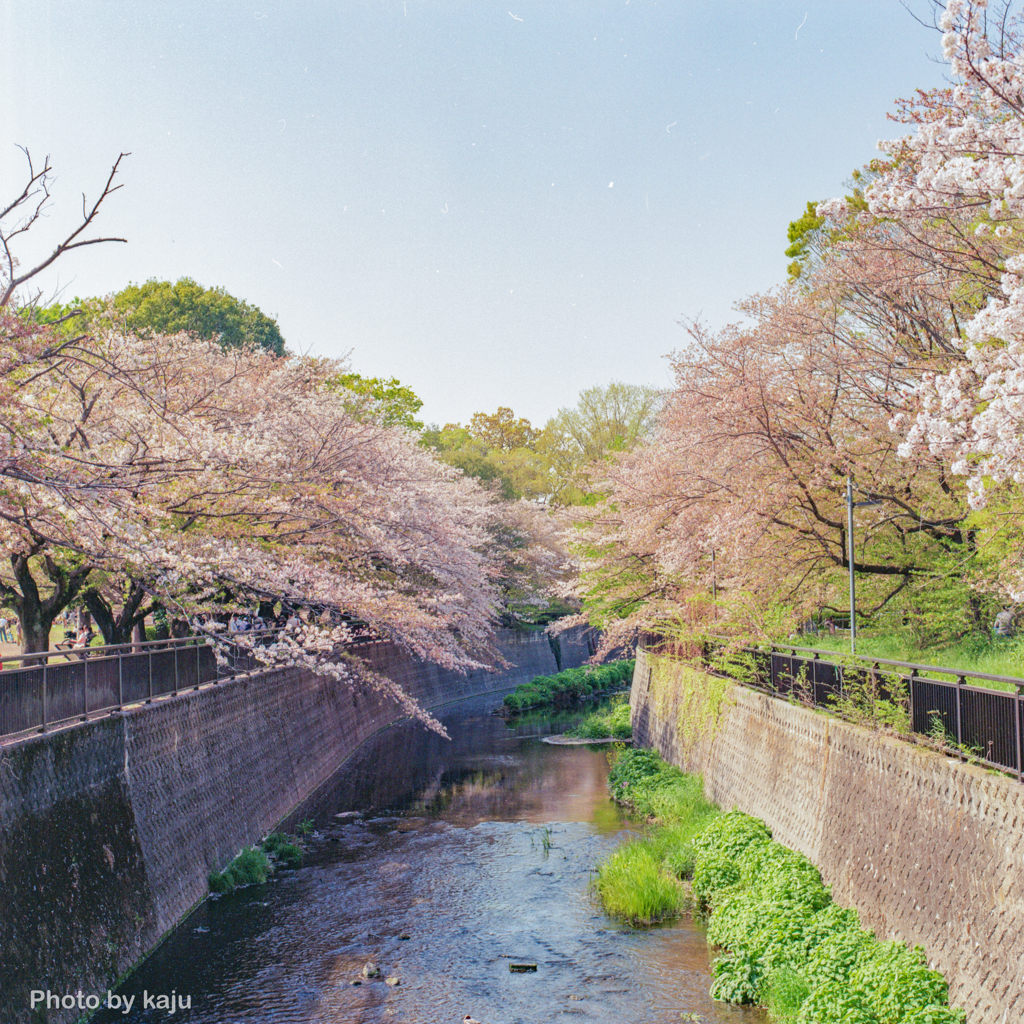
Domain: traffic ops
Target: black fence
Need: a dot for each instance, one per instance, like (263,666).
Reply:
(52,688)
(951,706)
(38,691)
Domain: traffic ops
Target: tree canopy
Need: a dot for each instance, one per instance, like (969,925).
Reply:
(895,356)
(387,400)
(160,307)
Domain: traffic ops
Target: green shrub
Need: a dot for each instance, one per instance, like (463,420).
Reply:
(250,867)
(829,921)
(738,978)
(633,772)
(613,722)
(711,875)
(219,882)
(836,955)
(274,841)
(785,943)
(935,1015)
(253,865)
(283,849)
(732,833)
(899,980)
(837,1003)
(784,874)
(736,916)
(568,687)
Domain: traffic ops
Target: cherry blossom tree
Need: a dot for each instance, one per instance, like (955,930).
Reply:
(743,489)
(963,167)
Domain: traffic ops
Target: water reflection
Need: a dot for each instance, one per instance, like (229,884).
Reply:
(480,852)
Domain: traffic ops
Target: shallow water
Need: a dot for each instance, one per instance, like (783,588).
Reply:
(480,850)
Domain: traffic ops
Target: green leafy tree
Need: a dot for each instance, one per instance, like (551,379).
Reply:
(577,443)
(159,307)
(495,448)
(458,446)
(502,430)
(387,400)
(610,418)
(801,234)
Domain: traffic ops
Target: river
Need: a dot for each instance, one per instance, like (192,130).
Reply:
(465,857)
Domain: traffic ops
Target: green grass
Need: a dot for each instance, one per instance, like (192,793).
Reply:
(254,865)
(634,888)
(784,943)
(997,656)
(612,722)
(639,883)
(250,867)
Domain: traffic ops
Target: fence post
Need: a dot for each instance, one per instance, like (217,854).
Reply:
(85,685)
(1016,729)
(150,698)
(42,727)
(910,700)
(959,737)
(175,649)
(120,680)
(876,671)
(196,641)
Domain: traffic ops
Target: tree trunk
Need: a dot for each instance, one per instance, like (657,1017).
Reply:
(35,613)
(118,627)
(35,629)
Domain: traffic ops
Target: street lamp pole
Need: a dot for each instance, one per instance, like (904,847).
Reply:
(849,558)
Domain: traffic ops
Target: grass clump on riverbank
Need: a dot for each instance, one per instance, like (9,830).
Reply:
(569,687)
(613,722)
(785,944)
(254,865)
(639,883)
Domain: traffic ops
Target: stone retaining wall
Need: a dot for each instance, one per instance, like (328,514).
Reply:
(929,850)
(108,829)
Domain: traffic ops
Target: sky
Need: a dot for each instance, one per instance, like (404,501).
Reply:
(497,203)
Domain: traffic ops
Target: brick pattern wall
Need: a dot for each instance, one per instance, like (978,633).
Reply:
(109,829)
(929,850)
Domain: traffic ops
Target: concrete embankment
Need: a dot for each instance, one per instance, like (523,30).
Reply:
(929,850)
(108,829)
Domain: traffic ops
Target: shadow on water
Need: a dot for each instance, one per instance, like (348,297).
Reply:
(463,856)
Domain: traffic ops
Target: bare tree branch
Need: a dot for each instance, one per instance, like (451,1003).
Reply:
(32,200)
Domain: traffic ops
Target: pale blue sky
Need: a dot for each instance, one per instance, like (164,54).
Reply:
(499,203)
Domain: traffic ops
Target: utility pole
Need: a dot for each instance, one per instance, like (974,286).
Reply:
(849,558)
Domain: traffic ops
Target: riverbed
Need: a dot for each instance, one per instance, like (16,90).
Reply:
(442,863)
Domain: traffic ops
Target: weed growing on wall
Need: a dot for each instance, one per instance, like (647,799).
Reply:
(874,698)
(569,687)
(784,943)
(699,697)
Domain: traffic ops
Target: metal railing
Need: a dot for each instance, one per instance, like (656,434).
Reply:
(979,723)
(56,687)
(53,687)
